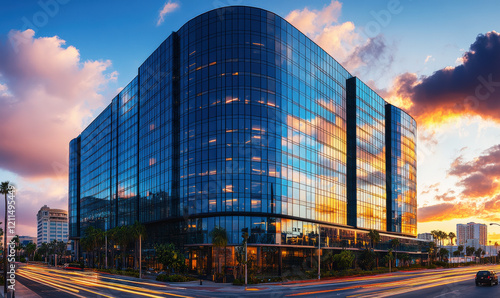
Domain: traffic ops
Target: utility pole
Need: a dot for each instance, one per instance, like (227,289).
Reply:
(106,242)
(245,239)
(319,252)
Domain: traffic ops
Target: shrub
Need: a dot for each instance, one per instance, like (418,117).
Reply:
(343,260)
(367,259)
(442,264)
(174,278)
(76,265)
(131,273)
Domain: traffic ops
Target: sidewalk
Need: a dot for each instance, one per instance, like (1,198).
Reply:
(22,291)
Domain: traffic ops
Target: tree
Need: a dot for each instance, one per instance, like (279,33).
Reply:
(123,237)
(374,239)
(496,249)
(219,239)
(432,251)
(30,249)
(443,252)
(17,246)
(452,236)
(43,250)
(388,258)
(435,235)
(394,245)
(442,235)
(460,248)
(138,232)
(469,251)
(343,260)
(366,259)
(171,259)
(478,252)
(91,241)
(456,253)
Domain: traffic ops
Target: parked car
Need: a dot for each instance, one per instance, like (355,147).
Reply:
(489,277)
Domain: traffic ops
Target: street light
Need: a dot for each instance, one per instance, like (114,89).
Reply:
(319,252)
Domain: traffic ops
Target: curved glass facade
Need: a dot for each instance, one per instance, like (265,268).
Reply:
(262,123)
(238,120)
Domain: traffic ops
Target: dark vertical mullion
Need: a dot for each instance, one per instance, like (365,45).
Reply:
(138,94)
(116,157)
(351,174)
(78,184)
(175,195)
(388,167)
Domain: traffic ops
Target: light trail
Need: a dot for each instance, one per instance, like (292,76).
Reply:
(408,283)
(77,282)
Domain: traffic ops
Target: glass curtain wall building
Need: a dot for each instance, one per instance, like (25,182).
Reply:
(240,121)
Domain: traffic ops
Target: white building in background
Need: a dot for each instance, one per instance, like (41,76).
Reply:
(472,234)
(52,225)
(425,236)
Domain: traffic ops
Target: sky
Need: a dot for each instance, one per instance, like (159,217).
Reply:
(62,61)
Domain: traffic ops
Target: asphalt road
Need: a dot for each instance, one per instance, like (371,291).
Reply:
(457,282)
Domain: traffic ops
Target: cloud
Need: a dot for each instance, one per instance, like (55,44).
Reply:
(167,8)
(446,211)
(31,196)
(431,188)
(479,177)
(343,41)
(471,88)
(51,92)
(312,23)
(428,58)
(374,52)
(479,190)
(493,205)
(447,196)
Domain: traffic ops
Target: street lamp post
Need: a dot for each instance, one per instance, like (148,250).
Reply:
(319,252)
(106,242)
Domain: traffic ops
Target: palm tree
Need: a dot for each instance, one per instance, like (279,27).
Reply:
(432,251)
(496,249)
(443,236)
(452,236)
(394,245)
(443,252)
(4,189)
(113,240)
(219,239)
(44,250)
(460,248)
(92,240)
(435,235)
(138,231)
(123,238)
(374,239)
(30,249)
(389,257)
(469,250)
(17,246)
